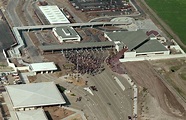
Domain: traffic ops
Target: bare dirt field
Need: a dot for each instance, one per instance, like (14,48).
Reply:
(76,117)
(58,113)
(4,110)
(174,73)
(154,95)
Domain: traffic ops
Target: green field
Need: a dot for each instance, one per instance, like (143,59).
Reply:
(173,12)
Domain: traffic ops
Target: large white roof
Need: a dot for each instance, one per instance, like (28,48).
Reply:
(54,14)
(45,66)
(31,115)
(34,94)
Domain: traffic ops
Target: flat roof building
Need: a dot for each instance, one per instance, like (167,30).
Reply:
(66,34)
(53,14)
(38,114)
(42,67)
(34,95)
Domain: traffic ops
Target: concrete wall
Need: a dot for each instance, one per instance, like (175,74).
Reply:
(9,63)
(177,47)
(153,53)
(105,35)
(23,68)
(157,57)
(130,54)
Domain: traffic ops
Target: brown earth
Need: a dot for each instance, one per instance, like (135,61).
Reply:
(58,113)
(173,71)
(145,76)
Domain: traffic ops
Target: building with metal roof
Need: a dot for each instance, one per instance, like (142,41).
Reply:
(66,34)
(129,38)
(53,14)
(42,67)
(138,43)
(34,95)
(37,114)
(82,45)
(151,46)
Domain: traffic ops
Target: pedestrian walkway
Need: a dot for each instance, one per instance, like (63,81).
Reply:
(135,99)
(157,57)
(10,106)
(119,83)
(25,78)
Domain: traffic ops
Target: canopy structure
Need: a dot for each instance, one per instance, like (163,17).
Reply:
(53,14)
(34,95)
(45,66)
(38,114)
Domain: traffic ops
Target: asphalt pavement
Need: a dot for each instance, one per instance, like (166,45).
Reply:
(11,11)
(110,102)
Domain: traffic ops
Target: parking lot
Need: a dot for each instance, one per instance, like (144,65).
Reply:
(99,5)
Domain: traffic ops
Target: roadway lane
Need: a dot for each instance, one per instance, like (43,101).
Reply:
(75,17)
(27,13)
(120,103)
(11,11)
(139,9)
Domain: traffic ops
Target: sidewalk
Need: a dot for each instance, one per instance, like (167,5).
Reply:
(135,99)
(10,106)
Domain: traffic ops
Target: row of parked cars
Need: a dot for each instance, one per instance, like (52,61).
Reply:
(16,79)
(4,79)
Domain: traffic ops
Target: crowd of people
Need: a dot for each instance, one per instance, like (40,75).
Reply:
(87,61)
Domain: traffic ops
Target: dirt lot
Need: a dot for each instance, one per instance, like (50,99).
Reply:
(57,113)
(4,111)
(174,72)
(158,97)
(76,117)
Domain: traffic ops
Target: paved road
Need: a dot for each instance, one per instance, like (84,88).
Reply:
(27,13)
(11,11)
(16,22)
